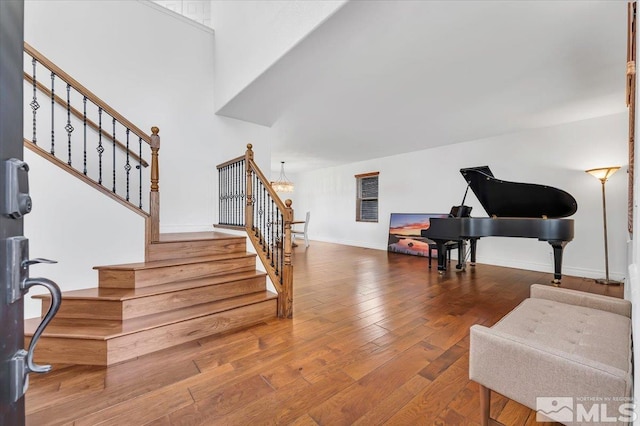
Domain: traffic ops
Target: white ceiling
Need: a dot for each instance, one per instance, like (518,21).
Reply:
(380,78)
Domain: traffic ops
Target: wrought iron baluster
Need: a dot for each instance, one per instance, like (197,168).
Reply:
(256,204)
(140,172)
(114,155)
(238,197)
(279,240)
(281,253)
(227,219)
(253,200)
(68,127)
(127,166)
(34,103)
(232,188)
(100,148)
(237,179)
(263,221)
(263,216)
(230,194)
(271,227)
(220,218)
(225,192)
(274,225)
(53,133)
(235,193)
(243,186)
(84,124)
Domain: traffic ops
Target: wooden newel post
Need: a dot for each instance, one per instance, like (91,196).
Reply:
(285,301)
(248,210)
(154,196)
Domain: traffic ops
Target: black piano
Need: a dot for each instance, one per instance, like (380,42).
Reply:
(516,210)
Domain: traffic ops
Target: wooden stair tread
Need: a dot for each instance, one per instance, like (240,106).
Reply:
(173,262)
(121,294)
(106,329)
(196,236)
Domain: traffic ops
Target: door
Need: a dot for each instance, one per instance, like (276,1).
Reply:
(11,314)
(15,362)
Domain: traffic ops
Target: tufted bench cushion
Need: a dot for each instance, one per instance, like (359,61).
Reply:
(558,343)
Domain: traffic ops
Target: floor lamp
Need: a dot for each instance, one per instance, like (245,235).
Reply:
(603,174)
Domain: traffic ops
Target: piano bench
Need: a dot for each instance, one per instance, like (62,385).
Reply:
(559,348)
(448,246)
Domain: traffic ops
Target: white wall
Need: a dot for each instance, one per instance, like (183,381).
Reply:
(429,181)
(157,71)
(77,226)
(252,35)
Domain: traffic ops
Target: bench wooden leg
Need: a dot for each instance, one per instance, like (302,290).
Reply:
(485,405)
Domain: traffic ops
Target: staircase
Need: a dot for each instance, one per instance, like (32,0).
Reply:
(191,286)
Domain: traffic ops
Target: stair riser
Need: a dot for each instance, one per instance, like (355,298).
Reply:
(101,352)
(182,299)
(189,249)
(133,308)
(114,278)
(58,350)
(94,309)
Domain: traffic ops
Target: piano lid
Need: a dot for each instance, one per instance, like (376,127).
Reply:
(514,199)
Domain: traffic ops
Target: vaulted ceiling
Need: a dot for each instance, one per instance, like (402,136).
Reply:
(380,78)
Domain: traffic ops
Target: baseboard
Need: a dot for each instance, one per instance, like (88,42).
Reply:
(349,243)
(548,268)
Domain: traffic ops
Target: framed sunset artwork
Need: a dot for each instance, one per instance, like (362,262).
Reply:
(404,232)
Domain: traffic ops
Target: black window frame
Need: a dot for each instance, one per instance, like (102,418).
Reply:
(371,183)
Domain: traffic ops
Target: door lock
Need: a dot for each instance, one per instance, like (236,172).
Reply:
(16,201)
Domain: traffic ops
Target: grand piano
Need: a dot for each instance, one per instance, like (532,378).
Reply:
(516,210)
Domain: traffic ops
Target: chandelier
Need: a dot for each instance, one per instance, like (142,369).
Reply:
(283,184)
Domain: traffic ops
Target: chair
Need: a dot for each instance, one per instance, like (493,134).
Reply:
(304,232)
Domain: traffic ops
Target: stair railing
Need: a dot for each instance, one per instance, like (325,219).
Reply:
(117,168)
(247,200)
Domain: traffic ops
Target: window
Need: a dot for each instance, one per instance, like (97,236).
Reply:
(367,197)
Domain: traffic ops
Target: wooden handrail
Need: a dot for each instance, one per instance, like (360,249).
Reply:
(227,163)
(81,116)
(86,92)
(267,184)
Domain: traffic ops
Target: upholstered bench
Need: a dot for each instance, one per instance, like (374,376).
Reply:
(559,343)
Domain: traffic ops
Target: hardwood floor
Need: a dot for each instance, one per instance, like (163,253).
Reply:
(376,338)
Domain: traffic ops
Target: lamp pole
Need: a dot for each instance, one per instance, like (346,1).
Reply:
(606,244)
(603,174)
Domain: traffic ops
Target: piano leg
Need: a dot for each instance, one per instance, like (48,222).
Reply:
(472,247)
(558,246)
(442,256)
(462,246)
